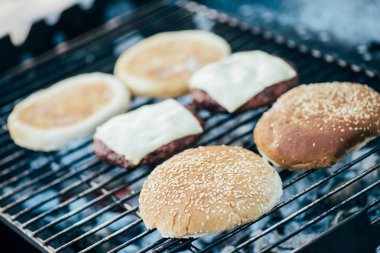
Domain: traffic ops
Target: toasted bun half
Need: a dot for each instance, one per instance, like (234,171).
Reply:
(208,190)
(70,109)
(161,65)
(316,125)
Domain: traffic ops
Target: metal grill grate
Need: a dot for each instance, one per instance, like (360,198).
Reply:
(68,201)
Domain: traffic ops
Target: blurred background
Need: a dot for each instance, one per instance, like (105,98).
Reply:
(29,28)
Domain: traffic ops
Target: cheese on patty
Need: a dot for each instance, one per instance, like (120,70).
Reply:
(236,79)
(142,131)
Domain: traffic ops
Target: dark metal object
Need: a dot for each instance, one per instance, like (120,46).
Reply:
(331,26)
(72,22)
(55,200)
(358,228)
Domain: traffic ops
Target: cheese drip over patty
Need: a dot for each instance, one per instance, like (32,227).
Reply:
(142,131)
(239,77)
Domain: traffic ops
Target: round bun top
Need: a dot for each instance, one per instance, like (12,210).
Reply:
(208,190)
(345,103)
(161,65)
(316,125)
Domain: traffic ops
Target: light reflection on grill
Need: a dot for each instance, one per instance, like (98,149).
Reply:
(69,201)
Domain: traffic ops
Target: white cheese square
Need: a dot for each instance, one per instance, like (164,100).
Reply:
(137,133)
(237,78)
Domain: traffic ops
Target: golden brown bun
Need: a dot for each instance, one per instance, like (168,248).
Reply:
(316,125)
(161,65)
(208,190)
(71,109)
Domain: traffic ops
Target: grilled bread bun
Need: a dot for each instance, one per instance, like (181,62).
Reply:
(68,110)
(161,65)
(208,190)
(316,125)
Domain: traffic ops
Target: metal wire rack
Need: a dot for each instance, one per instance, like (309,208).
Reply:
(68,201)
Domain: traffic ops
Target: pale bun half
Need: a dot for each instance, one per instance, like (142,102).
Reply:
(208,190)
(47,133)
(161,65)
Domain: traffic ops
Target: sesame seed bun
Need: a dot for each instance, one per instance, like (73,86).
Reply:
(207,190)
(161,65)
(316,125)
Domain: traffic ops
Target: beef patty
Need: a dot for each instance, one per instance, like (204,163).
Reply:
(107,155)
(269,95)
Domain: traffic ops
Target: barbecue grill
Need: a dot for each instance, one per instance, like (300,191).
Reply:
(69,201)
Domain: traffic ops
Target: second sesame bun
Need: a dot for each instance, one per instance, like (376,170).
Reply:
(315,126)
(161,65)
(207,190)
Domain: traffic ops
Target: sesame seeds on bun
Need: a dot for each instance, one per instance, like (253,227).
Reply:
(316,125)
(208,190)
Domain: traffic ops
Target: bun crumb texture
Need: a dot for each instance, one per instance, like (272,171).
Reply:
(208,190)
(314,126)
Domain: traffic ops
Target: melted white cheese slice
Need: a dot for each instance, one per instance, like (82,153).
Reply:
(137,133)
(236,79)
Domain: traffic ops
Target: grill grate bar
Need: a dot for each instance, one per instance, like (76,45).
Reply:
(89,203)
(7,149)
(45,187)
(21,164)
(294,197)
(97,228)
(215,124)
(153,245)
(312,204)
(127,243)
(324,214)
(109,237)
(31,155)
(230,129)
(92,216)
(192,248)
(19,177)
(6,162)
(172,242)
(376,221)
(242,136)
(61,193)
(36,180)
(25,173)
